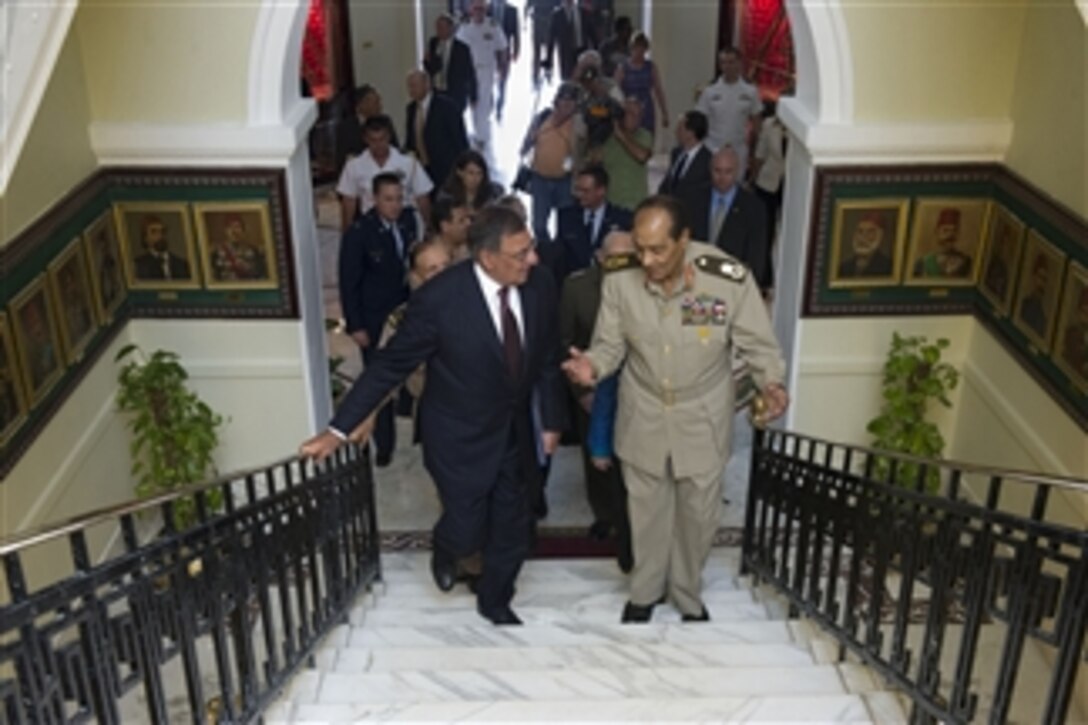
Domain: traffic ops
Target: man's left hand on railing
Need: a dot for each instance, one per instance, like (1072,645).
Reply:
(321,446)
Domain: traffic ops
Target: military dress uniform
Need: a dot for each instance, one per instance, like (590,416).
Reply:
(675,413)
(484,40)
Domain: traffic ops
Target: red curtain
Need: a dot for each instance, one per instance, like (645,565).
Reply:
(767,45)
(315,52)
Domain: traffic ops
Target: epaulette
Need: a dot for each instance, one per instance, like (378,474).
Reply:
(618,262)
(724,267)
(396,316)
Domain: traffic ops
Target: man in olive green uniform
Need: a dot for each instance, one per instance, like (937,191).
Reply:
(676,316)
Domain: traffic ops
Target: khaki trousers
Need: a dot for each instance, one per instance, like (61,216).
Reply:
(673,521)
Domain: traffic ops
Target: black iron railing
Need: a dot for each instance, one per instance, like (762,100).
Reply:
(205,624)
(967,588)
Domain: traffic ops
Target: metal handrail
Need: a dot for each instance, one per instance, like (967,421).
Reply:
(47,532)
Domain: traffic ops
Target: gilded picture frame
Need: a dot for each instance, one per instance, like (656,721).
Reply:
(946,241)
(1038,290)
(37,340)
(103,250)
(1070,350)
(157,245)
(13,407)
(867,240)
(237,249)
(1001,258)
(69,282)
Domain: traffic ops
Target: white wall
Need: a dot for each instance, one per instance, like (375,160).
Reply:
(383,36)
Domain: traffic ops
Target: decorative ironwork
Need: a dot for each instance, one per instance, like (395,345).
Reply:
(204,624)
(973,600)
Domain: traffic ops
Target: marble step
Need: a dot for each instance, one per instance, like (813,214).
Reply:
(443,615)
(777,709)
(555,634)
(592,570)
(462,599)
(386,659)
(669,683)
(424,586)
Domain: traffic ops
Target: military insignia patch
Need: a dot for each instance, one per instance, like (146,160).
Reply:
(721,267)
(617,262)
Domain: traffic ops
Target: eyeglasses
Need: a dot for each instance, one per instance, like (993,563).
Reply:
(523,255)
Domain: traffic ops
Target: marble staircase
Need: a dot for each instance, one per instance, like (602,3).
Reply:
(411,653)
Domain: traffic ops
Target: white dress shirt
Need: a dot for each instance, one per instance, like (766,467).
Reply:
(491,288)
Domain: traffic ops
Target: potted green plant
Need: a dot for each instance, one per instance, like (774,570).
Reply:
(914,377)
(174,432)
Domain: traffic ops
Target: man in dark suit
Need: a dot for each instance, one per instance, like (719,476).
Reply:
(572,31)
(449,63)
(487,331)
(511,28)
(733,218)
(688,178)
(373,254)
(434,129)
(157,262)
(583,227)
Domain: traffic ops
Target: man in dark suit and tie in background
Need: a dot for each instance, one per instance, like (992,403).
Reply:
(487,331)
(434,129)
(583,227)
(688,178)
(449,63)
(372,269)
(572,30)
(733,219)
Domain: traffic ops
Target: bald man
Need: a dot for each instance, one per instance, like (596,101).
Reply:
(434,129)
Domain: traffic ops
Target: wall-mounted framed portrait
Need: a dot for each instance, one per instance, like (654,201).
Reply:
(236,245)
(1070,352)
(69,282)
(1038,289)
(867,240)
(12,398)
(103,249)
(946,241)
(157,245)
(1000,258)
(37,340)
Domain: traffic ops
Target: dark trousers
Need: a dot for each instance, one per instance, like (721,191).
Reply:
(385,432)
(605,490)
(493,519)
(771,203)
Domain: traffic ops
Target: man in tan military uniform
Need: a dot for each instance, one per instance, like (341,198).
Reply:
(673,319)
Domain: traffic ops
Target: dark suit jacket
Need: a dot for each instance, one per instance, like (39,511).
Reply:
(470,403)
(692,189)
(372,273)
(443,135)
(571,233)
(743,234)
(149,266)
(563,37)
(461,76)
(510,27)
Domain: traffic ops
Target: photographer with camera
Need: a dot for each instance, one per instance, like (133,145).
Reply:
(600,109)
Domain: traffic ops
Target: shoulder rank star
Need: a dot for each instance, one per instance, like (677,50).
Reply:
(617,262)
(721,267)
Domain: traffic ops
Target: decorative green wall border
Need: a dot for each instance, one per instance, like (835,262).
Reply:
(72,280)
(977,239)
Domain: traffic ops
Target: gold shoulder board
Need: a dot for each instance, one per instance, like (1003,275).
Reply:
(722,267)
(617,262)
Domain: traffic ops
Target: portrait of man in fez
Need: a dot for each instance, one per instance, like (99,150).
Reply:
(236,245)
(867,242)
(104,262)
(12,401)
(1071,342)
(36,339)
(1038,290)
(157,245)
(1000,259)
(946,236)
(74,302)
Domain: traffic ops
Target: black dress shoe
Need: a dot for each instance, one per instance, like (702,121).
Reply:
(472,581)
(600,530)
(501,617)
(383,459)
(444,571)
(703,616)
(636,613)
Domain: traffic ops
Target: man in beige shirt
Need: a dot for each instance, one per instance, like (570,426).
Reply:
(674,318)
